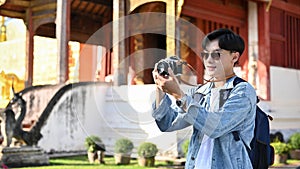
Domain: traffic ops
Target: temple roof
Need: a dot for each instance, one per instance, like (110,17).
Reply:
(86,16)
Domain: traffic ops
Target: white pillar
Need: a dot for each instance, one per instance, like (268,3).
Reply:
(253,43)
(119,62)
(62,35)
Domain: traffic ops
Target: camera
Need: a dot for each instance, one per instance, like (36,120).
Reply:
(173,62)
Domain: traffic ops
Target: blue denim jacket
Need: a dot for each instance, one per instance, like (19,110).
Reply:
(236,114)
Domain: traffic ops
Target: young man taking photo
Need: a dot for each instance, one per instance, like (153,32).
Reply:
(215,110)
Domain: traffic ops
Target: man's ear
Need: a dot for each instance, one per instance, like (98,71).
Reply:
(235,57)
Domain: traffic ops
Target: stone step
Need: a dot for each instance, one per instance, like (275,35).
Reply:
(24,156)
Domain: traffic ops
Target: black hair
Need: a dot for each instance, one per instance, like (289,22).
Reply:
(228,40)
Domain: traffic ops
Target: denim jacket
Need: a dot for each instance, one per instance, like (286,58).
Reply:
(236,114)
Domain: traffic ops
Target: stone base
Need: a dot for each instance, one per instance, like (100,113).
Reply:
(23,156)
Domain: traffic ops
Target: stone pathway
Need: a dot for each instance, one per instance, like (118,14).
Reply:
(294,166)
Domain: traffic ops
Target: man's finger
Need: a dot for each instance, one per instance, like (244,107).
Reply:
(171,73)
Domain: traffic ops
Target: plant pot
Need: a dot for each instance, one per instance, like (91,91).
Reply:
(92,156)
(280,158)
(100,156)
(146,161)
(295,154)
(121,158)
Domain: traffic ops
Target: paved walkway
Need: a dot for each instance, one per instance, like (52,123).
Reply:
(179,164)
(279,167)
(295,166)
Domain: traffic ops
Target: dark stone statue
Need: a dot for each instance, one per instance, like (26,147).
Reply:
(11,117)
(11,124)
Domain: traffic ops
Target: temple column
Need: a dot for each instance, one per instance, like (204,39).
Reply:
(63,36)
(29,49)
(120,65)
(171,27)
(264,53)
(252,43)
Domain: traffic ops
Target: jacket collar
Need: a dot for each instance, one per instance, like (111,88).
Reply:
(206,88)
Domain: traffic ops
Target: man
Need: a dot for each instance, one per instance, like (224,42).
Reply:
(215,110)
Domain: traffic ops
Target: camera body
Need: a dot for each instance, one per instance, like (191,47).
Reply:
(173,62)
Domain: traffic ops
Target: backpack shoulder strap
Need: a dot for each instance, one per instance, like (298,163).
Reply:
(236,135)
(238,80)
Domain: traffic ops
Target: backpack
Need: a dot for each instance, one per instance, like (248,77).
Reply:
(261,153)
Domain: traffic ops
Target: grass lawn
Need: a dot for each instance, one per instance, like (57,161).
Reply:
(81,162)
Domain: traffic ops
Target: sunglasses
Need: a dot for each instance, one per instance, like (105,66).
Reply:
(214,55)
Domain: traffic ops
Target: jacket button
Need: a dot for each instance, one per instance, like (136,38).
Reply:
(193,158)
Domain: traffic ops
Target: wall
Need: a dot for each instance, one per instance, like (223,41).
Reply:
(107,111)
(87,62)
(284,106)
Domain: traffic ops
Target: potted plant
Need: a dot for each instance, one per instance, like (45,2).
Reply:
(95,148)
(146,153)
(294,142)
(123,149)
(281,151)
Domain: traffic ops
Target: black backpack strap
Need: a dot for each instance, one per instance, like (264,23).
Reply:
(236,136)
(238,80)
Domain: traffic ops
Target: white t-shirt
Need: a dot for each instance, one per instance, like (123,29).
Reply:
(204,157)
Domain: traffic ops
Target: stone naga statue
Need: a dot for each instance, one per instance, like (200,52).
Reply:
(11,127)
(11,122)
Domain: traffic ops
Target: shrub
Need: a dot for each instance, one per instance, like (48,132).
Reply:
(147,149)
(93,143)
(281,148)
(124,146)
(185,146)
(294,141)
(277,137)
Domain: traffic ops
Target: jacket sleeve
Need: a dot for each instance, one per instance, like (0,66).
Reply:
(168,116)
(237,112)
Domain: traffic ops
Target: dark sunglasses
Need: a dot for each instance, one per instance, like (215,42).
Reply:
(214,55)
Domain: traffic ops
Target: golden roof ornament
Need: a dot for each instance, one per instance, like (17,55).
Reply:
(3,30)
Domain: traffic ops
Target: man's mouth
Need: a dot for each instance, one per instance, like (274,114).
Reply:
(211,68)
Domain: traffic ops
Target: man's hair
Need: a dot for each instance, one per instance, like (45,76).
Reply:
(228,40)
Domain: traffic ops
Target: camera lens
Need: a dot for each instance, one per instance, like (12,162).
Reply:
(162,68)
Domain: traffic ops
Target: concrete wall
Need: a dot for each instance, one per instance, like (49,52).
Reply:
(284,106)
(109,112)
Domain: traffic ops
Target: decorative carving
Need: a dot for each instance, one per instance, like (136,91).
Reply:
(11,127)
(3,28)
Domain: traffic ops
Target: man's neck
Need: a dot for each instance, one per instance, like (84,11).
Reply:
(219,82)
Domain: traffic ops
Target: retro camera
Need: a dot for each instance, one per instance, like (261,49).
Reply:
(173,62)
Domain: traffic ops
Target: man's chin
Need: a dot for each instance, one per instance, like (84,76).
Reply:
(214,75)
(211,74)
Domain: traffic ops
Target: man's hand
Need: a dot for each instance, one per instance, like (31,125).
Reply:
(168,84)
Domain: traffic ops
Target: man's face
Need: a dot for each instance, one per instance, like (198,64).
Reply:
(218,62)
